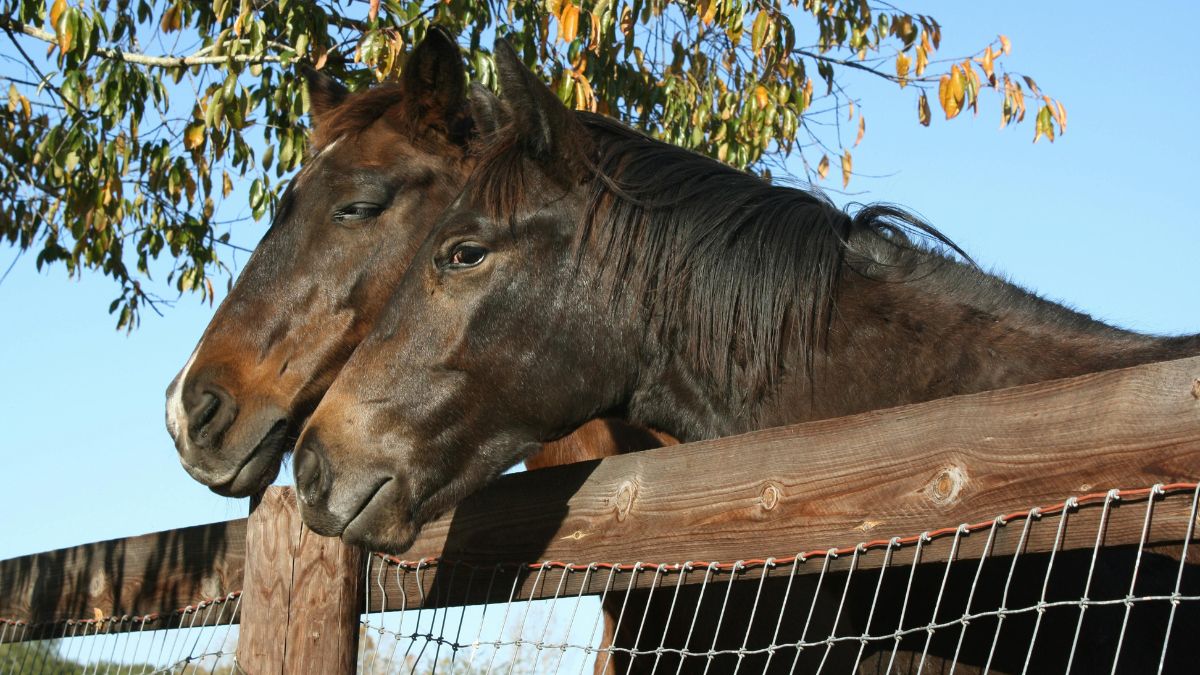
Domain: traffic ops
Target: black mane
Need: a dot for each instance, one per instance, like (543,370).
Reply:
(745,264)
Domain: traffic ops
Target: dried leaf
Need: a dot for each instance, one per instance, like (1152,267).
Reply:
(902,65)
(373,11)
(862,129)
(172,20)
(1005,45)
(823,167)
(923,110)
(847,168)
(568,22)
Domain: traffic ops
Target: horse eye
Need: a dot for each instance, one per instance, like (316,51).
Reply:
(356,211)
(467,255)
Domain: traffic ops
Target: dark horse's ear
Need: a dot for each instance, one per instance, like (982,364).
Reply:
(548,129)
(435,81)
(487,112)
(324,92)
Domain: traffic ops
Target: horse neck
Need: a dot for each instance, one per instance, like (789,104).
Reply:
(953,329)
(904,335)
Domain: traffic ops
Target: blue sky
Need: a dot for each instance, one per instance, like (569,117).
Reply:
(1102,219)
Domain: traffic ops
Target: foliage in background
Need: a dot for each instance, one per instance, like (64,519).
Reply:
(128,121)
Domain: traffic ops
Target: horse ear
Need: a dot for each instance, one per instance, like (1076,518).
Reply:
(435,80)
(487,112)
(549,129)
(324,92)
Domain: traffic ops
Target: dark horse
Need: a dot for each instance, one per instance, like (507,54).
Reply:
(588,270)
(383,165)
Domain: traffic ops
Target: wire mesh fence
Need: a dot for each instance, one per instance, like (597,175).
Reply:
(1106,582)
(1097,583)
(200,638)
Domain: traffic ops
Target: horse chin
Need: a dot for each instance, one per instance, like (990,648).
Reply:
(260,467)
(382,524)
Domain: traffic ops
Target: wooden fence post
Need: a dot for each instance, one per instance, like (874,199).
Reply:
(302,595)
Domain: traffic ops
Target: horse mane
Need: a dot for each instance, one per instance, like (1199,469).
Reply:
(748,265)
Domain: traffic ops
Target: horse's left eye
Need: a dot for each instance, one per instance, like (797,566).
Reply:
(467,255)
(356,211)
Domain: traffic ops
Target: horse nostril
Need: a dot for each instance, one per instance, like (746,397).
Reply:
(209,413)
(312,472)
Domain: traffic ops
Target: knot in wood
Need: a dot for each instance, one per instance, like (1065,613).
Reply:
(624,500)
(1196,388)
(770,495)
(946,485)
(98,586)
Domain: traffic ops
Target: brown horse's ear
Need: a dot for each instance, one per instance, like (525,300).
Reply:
(324,92)
(487,112)
(435,81)
(548,128)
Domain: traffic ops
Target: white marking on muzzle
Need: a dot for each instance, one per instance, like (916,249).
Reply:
(176,413)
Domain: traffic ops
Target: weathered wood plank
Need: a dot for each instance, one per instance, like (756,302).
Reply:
(148,574)
(302,595)
(836,482)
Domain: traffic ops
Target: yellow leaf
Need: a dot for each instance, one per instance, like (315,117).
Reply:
(862,129)
(950,92)
(568,22)
(823,167)
(902,65)
(373,11)
(922,59)
(1058,106)
(988,64)
(56,11)
(1005,45)
(62,31)
(847,167)
(193,136)
(171,20)
(762,96)
(97,614)
(923,110)
(850,114)
(708,11)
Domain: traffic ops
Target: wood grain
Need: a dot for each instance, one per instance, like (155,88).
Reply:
(838,482)
(302,594)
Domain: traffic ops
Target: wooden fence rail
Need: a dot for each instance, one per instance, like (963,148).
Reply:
(770,493)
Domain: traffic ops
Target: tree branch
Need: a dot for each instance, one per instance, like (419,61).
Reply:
(144,59)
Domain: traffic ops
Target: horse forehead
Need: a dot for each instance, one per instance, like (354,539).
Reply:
(376,149)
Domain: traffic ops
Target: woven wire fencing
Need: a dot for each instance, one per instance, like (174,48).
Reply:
(199,638)
(1099,583)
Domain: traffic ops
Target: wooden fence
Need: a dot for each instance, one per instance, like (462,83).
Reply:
(770,493)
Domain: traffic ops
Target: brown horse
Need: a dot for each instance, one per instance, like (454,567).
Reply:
(589,270)
(383,165)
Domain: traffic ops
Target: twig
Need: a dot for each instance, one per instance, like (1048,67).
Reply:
(144,59)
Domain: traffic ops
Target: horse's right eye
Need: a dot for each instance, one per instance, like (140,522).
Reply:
(467,255)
